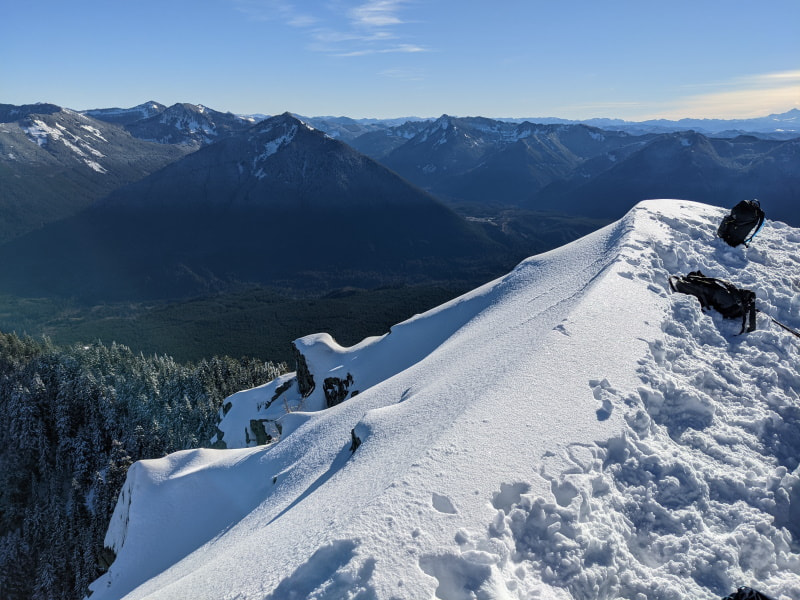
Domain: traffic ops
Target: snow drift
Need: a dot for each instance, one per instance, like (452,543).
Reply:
(572,430)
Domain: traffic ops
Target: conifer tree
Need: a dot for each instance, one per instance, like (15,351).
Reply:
(74,420)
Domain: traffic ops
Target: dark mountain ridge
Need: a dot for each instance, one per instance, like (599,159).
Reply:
(55,162)
(280,203)
(688,165)
(10,113)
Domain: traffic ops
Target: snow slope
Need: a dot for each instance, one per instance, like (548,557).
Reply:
(572,430)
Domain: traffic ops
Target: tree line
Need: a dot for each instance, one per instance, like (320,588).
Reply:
(72,420)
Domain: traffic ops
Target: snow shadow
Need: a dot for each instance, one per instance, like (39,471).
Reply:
(458,578)
(326,576)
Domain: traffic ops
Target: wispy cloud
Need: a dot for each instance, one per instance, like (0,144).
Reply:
(342,28)
(395,49)
(275,10)
(743,97)
(377,13)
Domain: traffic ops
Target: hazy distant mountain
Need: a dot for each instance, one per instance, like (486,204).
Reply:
(688,165)
(785,125)
(381,142)
(54,162)
(788,122)
(481,160)
(348,130)
(280,203)
(126,116)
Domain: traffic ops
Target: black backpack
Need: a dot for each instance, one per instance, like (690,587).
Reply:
(724,297)
(742,224)
(746,593)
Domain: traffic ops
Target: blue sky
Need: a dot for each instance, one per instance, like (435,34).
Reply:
(574,59)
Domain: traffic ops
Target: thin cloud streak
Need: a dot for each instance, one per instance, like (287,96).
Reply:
(370,28)
(274,10)
(401,49)
(377,13)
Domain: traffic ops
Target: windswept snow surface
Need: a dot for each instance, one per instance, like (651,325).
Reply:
(572,430)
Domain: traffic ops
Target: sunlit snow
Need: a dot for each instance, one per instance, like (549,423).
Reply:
(94,165)
(40,133)
(270,148)
(572,430)
(94,131)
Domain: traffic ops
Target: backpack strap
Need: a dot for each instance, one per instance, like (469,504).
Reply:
(782,325)
(760,212)
(748,301)
(755,231)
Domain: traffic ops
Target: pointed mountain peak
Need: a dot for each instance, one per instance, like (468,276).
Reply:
(271,135)
(149,108)
(444,121)
(280,126)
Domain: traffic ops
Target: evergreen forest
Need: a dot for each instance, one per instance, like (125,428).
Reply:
(73,419)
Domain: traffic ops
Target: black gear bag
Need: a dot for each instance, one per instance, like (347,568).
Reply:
(724,297)
(742,224)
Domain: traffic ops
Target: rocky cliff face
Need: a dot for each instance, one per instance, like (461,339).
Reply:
(305,380)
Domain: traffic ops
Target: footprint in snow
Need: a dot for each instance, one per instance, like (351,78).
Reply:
(603,392)
(443,504)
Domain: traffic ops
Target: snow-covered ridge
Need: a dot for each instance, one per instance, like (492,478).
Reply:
(572,430)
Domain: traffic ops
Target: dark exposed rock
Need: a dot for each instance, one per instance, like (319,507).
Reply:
(260,431)
(305,380)
(281,388)
(105,558)
(356,441)
(336,389)
(219,444)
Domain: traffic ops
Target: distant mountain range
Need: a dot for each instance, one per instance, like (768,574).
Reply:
(157,201)
(279,203)
(588,171)
(776,126)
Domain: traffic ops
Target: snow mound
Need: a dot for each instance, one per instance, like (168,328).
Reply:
(572,430)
